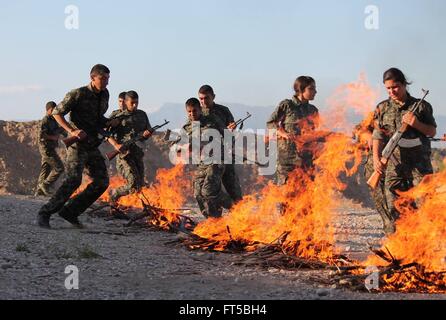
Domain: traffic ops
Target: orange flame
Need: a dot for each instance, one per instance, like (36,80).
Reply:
(308,201)
(420,236)
(358,97)
(167,192)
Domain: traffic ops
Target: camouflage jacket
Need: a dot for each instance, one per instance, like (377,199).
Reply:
(294,117)
(131,126)
(222,115)
(115,113)
(87,109)
(50,127)
(388,119)
(206,123)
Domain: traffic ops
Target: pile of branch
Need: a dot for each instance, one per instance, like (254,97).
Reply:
(195,242)
(277,255)
(109,211)
(156,217)
(395,277)
(271,255)
(150,217)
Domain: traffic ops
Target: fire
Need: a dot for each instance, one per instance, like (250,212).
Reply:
(167,192)
(308,199)
(420,238)
(362,132)
(358,97)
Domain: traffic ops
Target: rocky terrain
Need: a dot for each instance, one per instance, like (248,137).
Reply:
(115,262)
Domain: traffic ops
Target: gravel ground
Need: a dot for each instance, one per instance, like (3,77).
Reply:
(135,263)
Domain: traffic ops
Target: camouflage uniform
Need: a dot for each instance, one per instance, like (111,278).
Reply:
(378,195)
(292,115)
(131,165)
(406,166)
(223,117)
(87,109)
(51,164)
(115,113)
(208,177)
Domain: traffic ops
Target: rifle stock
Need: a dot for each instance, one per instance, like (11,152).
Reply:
(112,154)
(70,140)
(376,176)
(374,180)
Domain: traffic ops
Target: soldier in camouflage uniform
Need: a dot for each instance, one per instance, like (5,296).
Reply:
(51,164)
(86,106)
(410,161)
(130,164)
(121,105)
(208,177)
(291,118)
(225,120)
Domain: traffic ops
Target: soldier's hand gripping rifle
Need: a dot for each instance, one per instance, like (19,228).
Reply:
(392,144)
(73,139)
(104,133)
(112,154)
(242,121)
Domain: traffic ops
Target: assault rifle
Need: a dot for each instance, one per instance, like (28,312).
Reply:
(112,154)
(241,121)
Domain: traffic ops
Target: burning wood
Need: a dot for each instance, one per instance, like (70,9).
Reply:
(396,276)
(162,218)
(414,255)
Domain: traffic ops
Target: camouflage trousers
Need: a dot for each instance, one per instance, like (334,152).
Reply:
(79,157)
(285,165)
(131,168)
(231,183)
(51,167)
(405,174)
(208,190)
(379,196)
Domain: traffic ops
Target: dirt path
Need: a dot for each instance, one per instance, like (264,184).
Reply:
(133,263)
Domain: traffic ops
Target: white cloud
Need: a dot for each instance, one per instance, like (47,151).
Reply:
(19,89)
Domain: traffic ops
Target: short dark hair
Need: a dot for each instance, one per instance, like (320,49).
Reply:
(50,105)
(397,75)
(131,95)
(206,89)
(122,95)
(99,69)
(193,102)
(301,83)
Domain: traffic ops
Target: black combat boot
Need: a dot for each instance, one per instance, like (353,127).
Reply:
(43,220)
(71,218)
